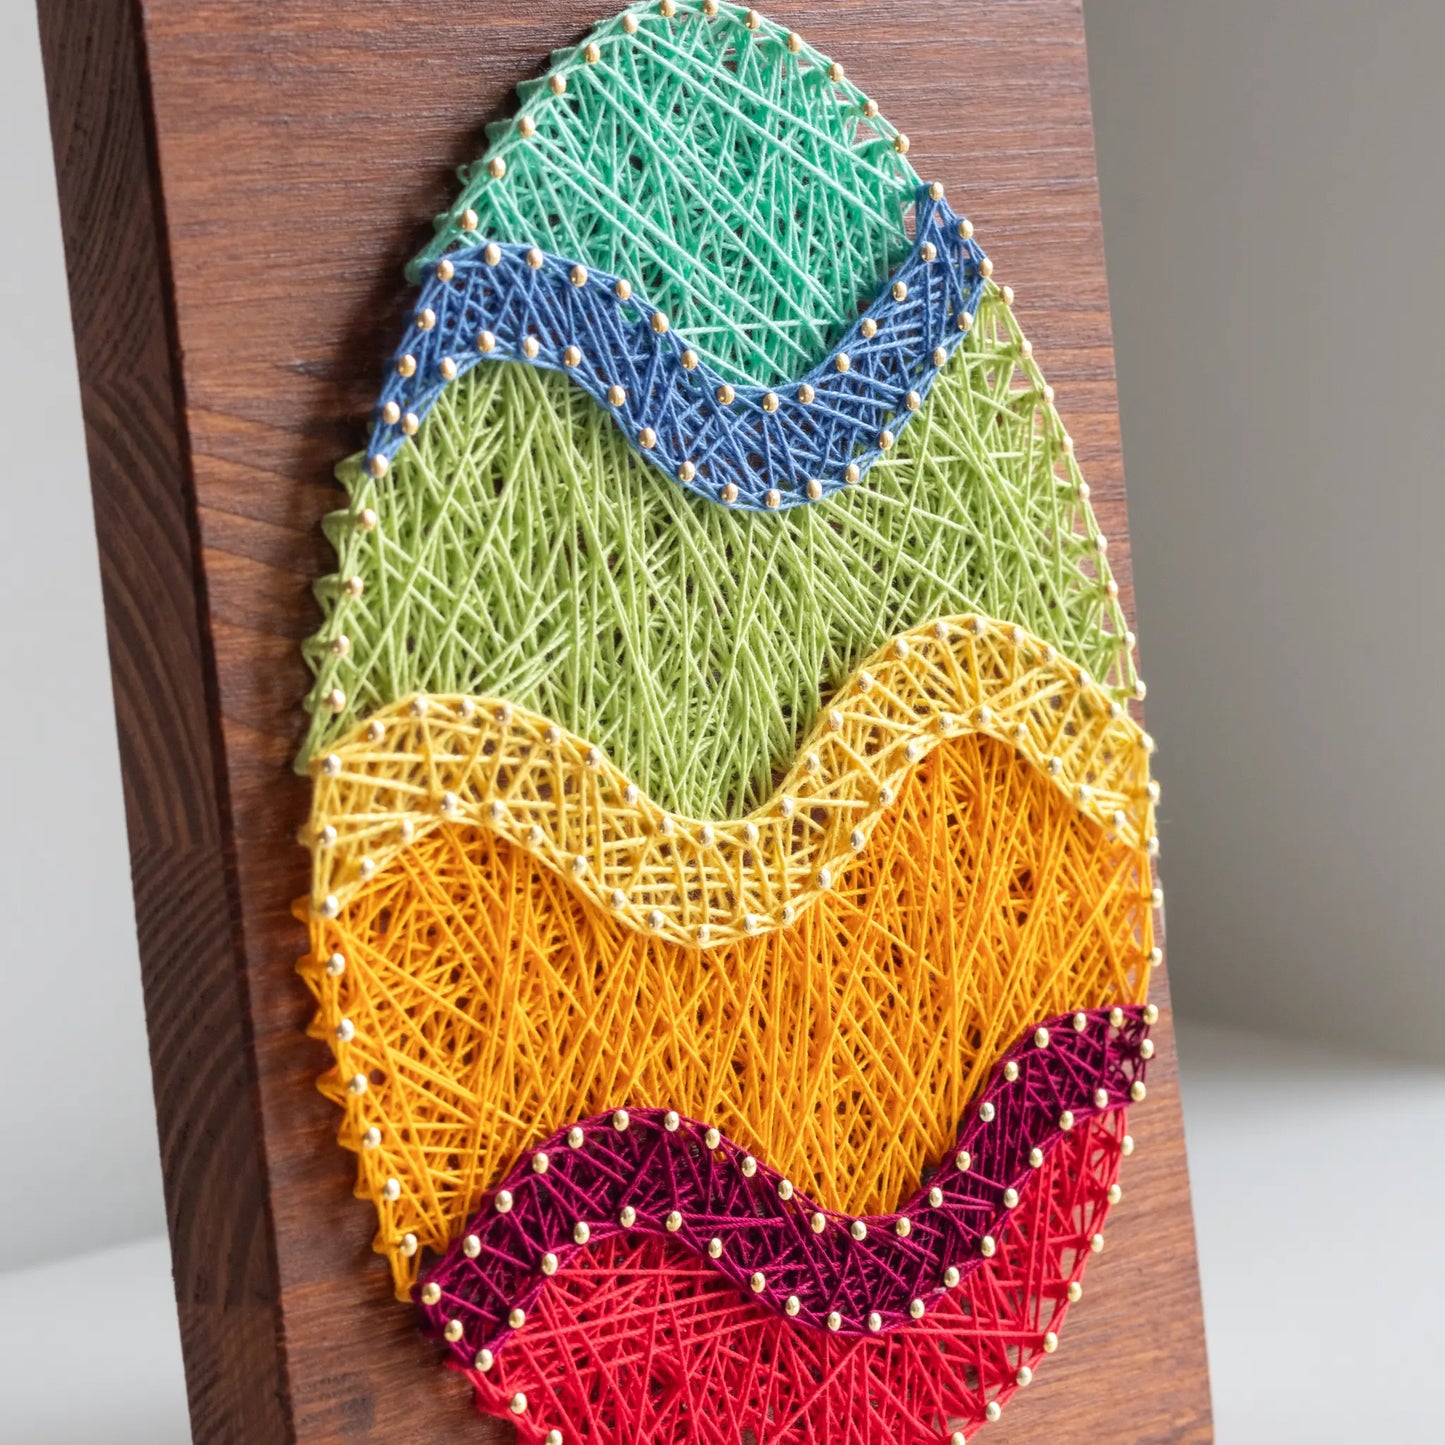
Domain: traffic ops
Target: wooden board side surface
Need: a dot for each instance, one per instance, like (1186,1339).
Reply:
(300,150)
(186,902)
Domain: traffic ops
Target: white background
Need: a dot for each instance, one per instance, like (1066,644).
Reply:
(1274,211)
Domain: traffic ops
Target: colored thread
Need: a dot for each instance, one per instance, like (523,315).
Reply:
(639,1172)
(476,999)
(746,446)
(734,176)
(519,550)
(642,1341)
(432,760)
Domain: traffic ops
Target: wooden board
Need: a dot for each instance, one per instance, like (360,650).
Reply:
(241,183)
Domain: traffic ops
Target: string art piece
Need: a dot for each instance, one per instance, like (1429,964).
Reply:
(732,895)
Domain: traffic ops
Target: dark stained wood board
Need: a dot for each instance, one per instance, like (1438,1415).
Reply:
(241,184)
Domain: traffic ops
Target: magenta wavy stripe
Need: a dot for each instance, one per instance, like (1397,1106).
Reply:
(653,1172)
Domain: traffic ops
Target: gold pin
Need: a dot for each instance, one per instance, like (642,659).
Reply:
(689,360)
(535,258)
(835,72)
(870,108)
(391,413)
(659,322)
(616,395)
(445,270)
(725,394)
(900,291)
(579,275)
(623,289)
(770,401)
(469,219)
(571,357)
(842,361)
(686,472)
(410,423)
(526,127)
(868,326)
(486,342)
(448,368)
(806,393)
(591,54)
(406,366)
(558,83)
(647,438)
(496,168)
(491,253)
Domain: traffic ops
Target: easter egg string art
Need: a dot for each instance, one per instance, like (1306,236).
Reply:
(732,846)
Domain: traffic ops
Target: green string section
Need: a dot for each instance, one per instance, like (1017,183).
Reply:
(719,168)
(520,549)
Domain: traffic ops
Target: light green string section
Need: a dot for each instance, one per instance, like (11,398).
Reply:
(718,168)
(520,549)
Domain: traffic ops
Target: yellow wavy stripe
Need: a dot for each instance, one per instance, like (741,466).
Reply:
(431,760)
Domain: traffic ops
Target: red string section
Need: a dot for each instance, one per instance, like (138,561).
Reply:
(653,1172)
(645,1342)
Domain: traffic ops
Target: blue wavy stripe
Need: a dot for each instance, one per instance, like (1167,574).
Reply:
(757,447)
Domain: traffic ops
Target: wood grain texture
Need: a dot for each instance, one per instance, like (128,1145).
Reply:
(236,283)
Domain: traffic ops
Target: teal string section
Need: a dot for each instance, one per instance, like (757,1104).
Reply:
(733,175)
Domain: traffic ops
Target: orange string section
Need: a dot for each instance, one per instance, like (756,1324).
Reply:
(482,999)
